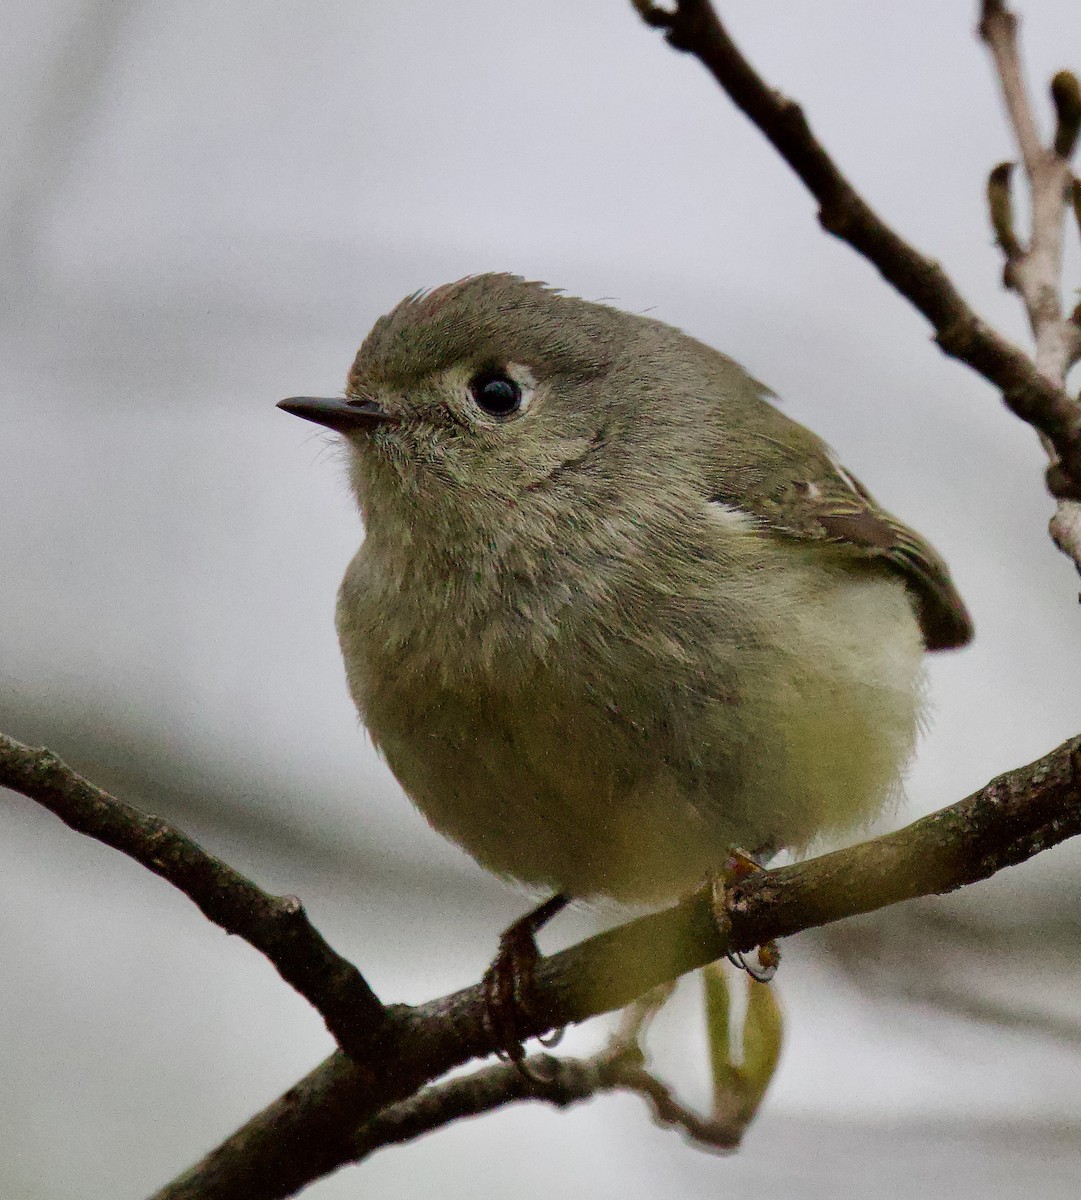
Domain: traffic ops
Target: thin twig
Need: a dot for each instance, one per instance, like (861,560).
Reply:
(276,926)
(693,26)
(619,1066)
(557,1081)
(1035,271)
(312,1129)
(1038,269)
(998,28)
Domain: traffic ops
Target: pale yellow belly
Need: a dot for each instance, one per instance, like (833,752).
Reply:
(630,772)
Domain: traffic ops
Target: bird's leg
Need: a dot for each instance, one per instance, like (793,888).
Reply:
(738,866)
(508,982)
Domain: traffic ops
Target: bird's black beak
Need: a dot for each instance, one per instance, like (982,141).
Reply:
(345,416)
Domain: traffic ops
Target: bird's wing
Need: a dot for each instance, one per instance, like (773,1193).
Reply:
(832,507)
(786,477)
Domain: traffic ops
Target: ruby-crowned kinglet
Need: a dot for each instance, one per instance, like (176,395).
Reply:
(614,613)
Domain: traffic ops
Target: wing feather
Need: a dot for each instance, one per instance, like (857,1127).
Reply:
(785,476)
(834,508)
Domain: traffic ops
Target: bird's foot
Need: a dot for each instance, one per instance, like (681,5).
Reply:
(738,866)
(509,982)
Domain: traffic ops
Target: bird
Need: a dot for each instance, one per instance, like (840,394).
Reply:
(615,614)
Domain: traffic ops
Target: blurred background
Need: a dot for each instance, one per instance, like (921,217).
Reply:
(203,207)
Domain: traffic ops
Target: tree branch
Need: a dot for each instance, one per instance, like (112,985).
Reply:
(620,1066)
(998,28)
(276,926)
(313,1128)
(1035,271)
(557,1081)
(693,26)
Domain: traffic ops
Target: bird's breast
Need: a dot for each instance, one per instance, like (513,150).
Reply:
(616,732)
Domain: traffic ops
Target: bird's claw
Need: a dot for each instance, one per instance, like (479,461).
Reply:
(739,866)
(769,959)
(508,985)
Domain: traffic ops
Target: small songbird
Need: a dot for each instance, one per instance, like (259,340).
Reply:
(615,613)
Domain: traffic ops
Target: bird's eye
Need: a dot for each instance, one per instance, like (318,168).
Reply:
(496,393)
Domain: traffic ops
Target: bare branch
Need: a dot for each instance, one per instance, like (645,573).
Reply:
(276,926)
(558,1081)
(1030,390)
(620,1066)
(693,26)
(313,1128)
(1035,272)
(712,1132)
(998,28)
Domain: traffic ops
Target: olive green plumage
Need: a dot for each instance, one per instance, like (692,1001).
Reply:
(615,612)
